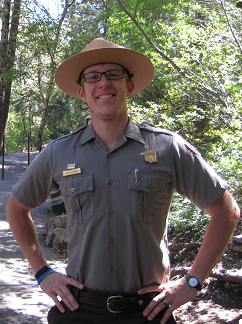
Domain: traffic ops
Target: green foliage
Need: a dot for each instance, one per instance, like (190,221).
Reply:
(196,91)
(222,148)
(185,216)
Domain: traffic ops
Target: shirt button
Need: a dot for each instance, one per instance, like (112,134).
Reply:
(111,211)
(72,190)
(111,269)
(111,241)
(150,187)
(109,155)
(110,182)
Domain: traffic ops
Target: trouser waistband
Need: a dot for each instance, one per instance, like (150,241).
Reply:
(116,303)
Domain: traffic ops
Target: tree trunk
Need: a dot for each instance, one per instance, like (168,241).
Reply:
(52,58)
(3,63)
(7,56)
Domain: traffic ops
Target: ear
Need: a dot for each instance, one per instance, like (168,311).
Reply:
(130,88)
(82,94)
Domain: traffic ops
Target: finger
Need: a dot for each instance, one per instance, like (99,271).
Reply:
(156,311)
(157,300)
(153,309)
(167,315)
(73,282)
(58,304)
(68,299)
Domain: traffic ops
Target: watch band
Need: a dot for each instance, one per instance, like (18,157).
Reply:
(193,282)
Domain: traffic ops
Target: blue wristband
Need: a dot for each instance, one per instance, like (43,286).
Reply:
(45,274)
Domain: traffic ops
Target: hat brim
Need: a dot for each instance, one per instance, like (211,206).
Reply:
(138,64)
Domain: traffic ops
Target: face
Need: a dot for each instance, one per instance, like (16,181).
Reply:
(106,99)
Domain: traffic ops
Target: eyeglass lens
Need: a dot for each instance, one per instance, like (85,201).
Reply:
(110,75)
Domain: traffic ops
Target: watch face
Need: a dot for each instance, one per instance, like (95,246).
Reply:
(193,282)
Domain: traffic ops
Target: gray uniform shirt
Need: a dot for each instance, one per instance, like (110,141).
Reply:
(117,205)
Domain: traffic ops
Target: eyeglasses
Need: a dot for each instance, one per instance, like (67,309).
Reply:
(110,75)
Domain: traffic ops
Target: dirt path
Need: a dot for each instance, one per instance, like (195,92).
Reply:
(21,299)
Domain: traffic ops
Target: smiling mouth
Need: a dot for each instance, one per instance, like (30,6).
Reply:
(105,96)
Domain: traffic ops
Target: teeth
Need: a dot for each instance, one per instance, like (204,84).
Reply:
(105,96)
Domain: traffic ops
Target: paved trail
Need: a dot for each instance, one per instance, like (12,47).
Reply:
(21,299)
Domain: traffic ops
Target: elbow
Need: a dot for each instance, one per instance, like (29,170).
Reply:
(237,213)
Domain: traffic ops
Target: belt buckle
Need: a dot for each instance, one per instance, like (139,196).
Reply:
(108,303)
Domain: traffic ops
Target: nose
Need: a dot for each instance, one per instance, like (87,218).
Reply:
(104,80)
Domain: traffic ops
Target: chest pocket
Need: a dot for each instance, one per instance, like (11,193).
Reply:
(145,195)
(78,196)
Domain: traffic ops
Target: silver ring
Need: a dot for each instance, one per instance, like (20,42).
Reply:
(165,303)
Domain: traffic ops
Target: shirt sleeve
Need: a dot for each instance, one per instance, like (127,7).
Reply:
(193,177)
(35,185)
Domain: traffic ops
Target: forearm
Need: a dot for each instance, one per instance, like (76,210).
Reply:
(224,217)
(23,229)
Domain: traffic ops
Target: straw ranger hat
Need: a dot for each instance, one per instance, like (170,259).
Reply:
(103,51)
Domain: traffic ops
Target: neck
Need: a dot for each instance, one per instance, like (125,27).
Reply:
(109,131)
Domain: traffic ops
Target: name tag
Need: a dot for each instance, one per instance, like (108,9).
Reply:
(71,172)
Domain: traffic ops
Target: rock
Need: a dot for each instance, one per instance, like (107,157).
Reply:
(226,285)
(236,246)
(56,232)
(237,289)
(56,225)
(57,238)
(57,203)
(238,238)
(59,221)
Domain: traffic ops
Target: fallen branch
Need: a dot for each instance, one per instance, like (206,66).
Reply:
(228,277)
(180,246)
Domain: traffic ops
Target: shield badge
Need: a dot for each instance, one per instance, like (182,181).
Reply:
(150,156)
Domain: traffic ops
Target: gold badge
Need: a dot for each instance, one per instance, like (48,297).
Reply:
(71,172)
(150,156)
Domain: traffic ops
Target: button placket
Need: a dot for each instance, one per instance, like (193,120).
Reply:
(110,219)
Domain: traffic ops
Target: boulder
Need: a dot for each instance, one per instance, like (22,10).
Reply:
(56,235)
(59,221)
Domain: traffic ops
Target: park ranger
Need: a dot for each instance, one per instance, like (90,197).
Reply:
(117,180)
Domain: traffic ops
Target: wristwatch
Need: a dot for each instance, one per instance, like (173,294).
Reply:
(193,282)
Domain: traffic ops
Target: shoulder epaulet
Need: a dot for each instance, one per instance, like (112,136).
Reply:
(73,133)
(155,129)
(192,148)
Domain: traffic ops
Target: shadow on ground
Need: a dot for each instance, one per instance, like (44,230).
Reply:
(9,316)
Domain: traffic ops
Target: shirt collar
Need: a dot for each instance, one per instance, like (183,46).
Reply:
(88,135)
(132,131)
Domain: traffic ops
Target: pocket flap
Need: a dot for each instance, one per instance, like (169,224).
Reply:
(148,182)
(75,185)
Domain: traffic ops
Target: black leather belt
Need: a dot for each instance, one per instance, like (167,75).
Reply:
(115,303)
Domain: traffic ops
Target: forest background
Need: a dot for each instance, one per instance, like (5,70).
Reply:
(194,45)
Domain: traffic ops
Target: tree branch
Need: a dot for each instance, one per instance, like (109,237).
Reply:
(206,88)
(150,41)
(230,26)
(228,277)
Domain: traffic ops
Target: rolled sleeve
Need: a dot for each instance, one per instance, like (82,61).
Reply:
(193,177)
(34,187)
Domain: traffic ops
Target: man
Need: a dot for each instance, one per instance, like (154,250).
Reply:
(117,181)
